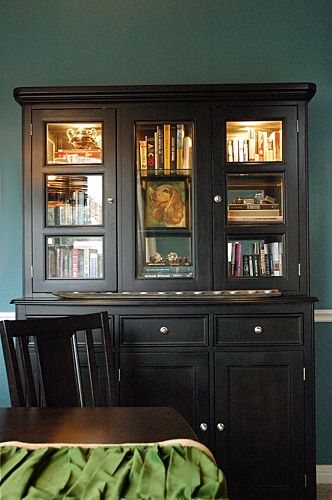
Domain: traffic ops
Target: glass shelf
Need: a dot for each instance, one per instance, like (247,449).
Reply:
(254,141)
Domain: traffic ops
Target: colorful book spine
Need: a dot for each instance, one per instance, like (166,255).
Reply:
(179,145)
(167,148)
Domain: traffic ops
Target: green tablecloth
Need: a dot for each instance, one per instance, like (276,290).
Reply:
(147,472)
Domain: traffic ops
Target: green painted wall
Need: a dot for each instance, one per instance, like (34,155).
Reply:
(106,42)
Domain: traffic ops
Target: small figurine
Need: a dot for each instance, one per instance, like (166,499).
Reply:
(172,258)
(156,258)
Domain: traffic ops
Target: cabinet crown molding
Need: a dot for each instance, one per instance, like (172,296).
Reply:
(142,93)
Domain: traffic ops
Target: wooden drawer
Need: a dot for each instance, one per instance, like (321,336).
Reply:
(164,330)
(272,329)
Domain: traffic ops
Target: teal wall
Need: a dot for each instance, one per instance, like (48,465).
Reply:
(106,42)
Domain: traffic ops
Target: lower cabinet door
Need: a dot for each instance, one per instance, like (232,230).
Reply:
(259,424)
(175,379)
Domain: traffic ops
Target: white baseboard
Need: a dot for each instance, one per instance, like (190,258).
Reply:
(323,316)
(324,474)
(7,315)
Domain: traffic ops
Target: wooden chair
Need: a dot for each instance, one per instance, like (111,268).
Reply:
(59,362)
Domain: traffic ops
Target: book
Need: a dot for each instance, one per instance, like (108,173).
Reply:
(143,156)
(179,145)
(251,146)
(167,148)
(251,265)
(230,151)
(238,260)
(255,206)
(262,260)
(236,149)
(246,271)
(93,257)
(262,145)
(75,263)
(276,139)
(187,152)
(173,148)
(274,250)
(150,146)
(245,150)
(160,147)
(156,156)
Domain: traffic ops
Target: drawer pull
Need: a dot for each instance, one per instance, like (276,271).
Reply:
(203,427)
(220,427)
(164,330)
(258,330)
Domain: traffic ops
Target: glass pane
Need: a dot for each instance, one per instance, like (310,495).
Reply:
(164,200)
(74,143)
(74,200)
(255,198)
(75,257)
(254,141)
(255,257)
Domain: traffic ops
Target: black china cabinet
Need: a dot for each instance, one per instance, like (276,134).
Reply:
(182,210)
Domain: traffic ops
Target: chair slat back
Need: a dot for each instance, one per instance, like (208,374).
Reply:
(60,367)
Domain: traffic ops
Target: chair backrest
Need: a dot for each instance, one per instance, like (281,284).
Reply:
(59,362)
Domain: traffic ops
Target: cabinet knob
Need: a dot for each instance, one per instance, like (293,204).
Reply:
(164,330)
(217,198)
(258,330)
(203,427)
(220,427)
(110,200)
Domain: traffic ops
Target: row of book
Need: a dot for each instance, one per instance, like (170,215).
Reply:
(78,210)
(262,260)
(165,150)
(256,146)
(73,263)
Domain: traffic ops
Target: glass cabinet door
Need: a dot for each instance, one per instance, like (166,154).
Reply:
(164,200)
(74,183)
(167,153)
(256,200)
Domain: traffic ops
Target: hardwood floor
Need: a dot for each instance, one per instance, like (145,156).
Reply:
(324,492)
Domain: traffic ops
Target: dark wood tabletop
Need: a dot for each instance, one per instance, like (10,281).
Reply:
(93,425)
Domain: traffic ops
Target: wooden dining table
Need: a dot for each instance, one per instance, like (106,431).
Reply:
(93,425)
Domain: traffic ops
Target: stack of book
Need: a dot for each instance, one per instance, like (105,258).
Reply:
(264,212)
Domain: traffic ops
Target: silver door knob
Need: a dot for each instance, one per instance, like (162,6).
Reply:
(203,426)
(110,199)
(164,330)
(217,198)
(258,330)
(220,427)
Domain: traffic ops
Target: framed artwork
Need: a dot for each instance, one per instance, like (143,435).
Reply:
(166,204)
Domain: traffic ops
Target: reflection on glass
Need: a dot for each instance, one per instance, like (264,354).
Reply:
(254,141)
(255,198)
(164,200)
(255,258)
(74,200)
(75,143)
(75,257)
